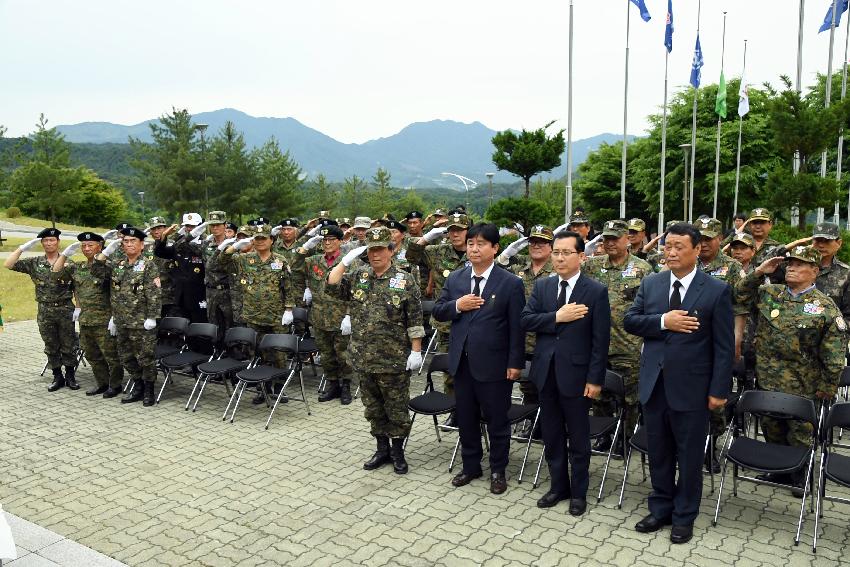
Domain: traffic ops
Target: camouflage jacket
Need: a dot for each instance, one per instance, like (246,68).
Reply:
(386,313)
(49,290)
(268,288)
(523,269)
(655,258)
(441,259)
(622,282)
(311,270)
(135,293)
(834,280)
(799,342)
(769,248)
(92,292)
(728,270)
(288,252)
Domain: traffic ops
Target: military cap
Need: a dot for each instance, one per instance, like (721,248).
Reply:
(230,226)
(155,222)
(192,218)
(636,224)
(328,222)
(808,254)
(262,220)
(459,209)
(89,237)
(746,239)
(134,232)
(413,215)
(440,213)
(289,222)
(48,232)
(331,231)
(760,213)
(122,225)
(246,229)
(708,227)
(828,230)
(362,222)
(616,228)
(542,232)
(579,217)
(459,220)
(324,214)
(343,221)
(263,231)
(671,223)
(378,237)
(395,224)
(217,217)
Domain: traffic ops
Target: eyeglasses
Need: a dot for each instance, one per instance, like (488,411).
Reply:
(563,252)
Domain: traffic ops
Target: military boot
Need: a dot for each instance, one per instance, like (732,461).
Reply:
(58,380)
(345,393)
(149,399)
(71,378)
(381,456)
(97,390)
(332,391)
(397,456)
(135,393)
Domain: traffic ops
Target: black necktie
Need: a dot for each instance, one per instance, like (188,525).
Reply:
(562,295)
(476,290)
(676,297)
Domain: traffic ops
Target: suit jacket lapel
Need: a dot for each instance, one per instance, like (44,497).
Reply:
(489,288)
(577,296)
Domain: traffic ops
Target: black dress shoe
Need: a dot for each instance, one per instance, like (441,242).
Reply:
(111,392)
(332,392)
(602,444)
(550,499)
(498,483)
(711,463)
(345,393)
(462,479)
(652,524)
(96,390)
(779,478)
(577,506)
(682,534)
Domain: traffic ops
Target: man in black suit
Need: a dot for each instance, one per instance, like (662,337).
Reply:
(486,351)
(572,318)
(685,319)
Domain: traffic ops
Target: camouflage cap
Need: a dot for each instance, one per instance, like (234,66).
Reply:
(378,237)
(157,221)
(542,232)
(458,220)
(709,228)
(671,223)
(615,228)
(324,214)
(343,221)
(828,230)
(806,254)
(217,217)
(636,224)
(744,238)
(262,231)
(362,222)
(246,229)
(579,217)
(760,213)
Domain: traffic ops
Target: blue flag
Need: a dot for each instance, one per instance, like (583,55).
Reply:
(668,31)
(644,13)
(827,20)
(696,67)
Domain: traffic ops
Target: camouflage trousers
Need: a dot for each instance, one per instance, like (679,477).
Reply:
(102,354)
(628,367)
(136,348)
(333,348)
(385,397)
(56,326)
(219,310)
(787,432)
(236,308)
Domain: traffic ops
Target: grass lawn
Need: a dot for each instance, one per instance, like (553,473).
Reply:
(17,296)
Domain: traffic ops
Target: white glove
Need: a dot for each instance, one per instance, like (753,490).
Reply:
(113,246)
(110,234)
(345,326)
(147,231)
(29,244)
(209,238)
(414,360)
(276,230)
(315,230)
(198,230)
(113,330)
(150,324)
(513,249)
(287,317)
(181,231)
(313,242)
(349,258)
(242,244)
(308,296)
(71,250)
(561,227)
(435,234)
(227,242)
(76,316)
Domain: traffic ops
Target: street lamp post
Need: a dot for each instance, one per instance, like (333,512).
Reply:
(466,182)
(203,128)
(490,179)
(685,148)
(142,197)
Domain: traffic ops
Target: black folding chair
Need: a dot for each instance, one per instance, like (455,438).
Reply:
(843,395)
(201,341)
(238,350)
(432,402)
(764,457)
(834,467)
(170,339)
(431,334)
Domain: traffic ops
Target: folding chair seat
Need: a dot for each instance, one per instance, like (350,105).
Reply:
(834,467)
(201,340)
(170,336)
(432,402)
(239,344)
(765,457)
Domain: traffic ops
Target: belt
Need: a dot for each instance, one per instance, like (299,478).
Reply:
(56,303)
(218,287)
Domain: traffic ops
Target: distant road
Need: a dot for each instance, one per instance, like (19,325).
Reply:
(23,231)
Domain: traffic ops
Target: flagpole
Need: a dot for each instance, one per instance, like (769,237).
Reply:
(740,128)
(838,164)
(694,135)
(625,118)
(719,122)
(663,148)
(828,94)
(568,210)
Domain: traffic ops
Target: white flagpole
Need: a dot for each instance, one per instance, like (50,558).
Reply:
(694,136)
(719,122)
(625,119)
(795,210)
(740,128)
(568,210)
(663,147)
(828,93)
(837,214)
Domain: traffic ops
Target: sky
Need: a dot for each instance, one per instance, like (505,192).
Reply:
(360,70)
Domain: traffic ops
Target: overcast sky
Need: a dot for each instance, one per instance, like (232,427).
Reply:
(359,70)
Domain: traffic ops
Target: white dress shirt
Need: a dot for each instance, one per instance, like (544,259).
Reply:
(485,275)
(683,291)
(571,284)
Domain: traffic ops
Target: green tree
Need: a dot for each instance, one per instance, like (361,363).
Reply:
(381,197)
(527,212)
(352,194)
(96,203)
(529,153)
(409,201)
(232,171)
(278,193)
(323,196)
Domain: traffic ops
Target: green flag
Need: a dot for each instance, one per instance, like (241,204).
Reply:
(720,103)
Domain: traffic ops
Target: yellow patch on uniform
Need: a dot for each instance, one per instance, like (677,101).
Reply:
(521,274)
(250,260)
(358,294)
(446,273)
(197,270)
(396,300)
(839,322)
(774,314)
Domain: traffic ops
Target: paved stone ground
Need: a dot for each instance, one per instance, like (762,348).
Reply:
(161,486)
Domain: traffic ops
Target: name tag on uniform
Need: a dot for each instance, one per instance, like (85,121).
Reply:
(630,271)
(813,308)
(720,272)
(140,267)
(276,266)
(398,282)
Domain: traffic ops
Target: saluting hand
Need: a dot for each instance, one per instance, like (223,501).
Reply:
(770,265)
(469,302)
(570,312)
(679,321)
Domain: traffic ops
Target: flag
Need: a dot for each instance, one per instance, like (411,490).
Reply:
(696,67)
(827,20)
(743,99)
(720,103)
(644,13)
(668,31)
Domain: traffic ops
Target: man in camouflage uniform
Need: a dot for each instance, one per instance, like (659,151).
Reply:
(415,223)
(400,242)
(759,225)
(834,275)
(55,309)
(156,228)
(580,223)
(94,313)
(286,239)
(387,315)
(622,273)
(136,303)
(359,228)
(329,320)
(743,249)
(237,288)
(800,341)
(637,237)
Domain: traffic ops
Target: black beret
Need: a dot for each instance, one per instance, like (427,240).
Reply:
(134,232)
(413,215)
(89,237)
(332,231)
(289,222)
(122,225)
(47,232)
(259,221)
(231,226)
(328,222)
(395,224)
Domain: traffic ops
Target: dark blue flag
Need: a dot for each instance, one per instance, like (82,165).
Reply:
(696,67)
(827,20)
(644,13)
(668,31)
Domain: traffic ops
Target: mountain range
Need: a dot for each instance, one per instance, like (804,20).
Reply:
(415,157)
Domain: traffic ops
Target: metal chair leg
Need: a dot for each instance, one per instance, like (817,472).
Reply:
(608,459)
(404,443)
(164,384)
(201,393)
(436,428)
(628,460)
(720,491)
(528,447)
(821,493)
(803,499)
(230,401)
(274,407)
(238,399)
(43,370)
(303,395)
(536,482)
(194,388)
(454,454)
